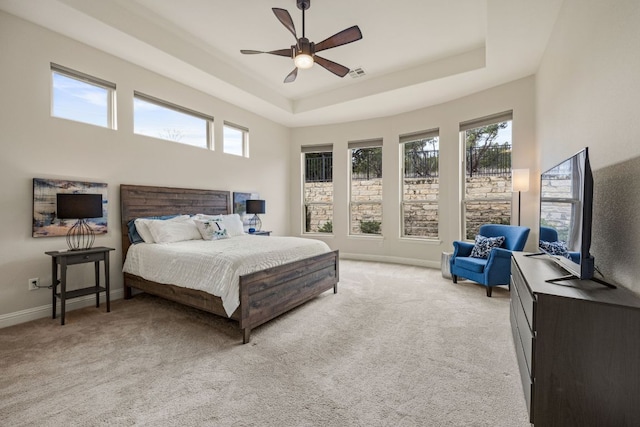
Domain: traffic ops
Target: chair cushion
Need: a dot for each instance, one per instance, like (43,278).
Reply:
(472,264)
(483,246)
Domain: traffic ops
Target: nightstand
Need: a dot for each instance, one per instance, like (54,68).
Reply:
(66,258)
(261,233)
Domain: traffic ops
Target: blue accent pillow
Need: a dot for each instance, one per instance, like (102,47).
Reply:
(555,248)
(483,246)
(134,237)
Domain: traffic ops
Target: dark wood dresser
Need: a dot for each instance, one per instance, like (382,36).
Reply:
(577,345)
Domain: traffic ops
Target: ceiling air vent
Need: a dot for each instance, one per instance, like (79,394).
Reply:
(357,72)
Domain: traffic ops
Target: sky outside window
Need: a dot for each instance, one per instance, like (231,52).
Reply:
(160,122)
(76,100)
(233,141)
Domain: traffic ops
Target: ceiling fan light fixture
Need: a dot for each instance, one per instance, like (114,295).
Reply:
(304,51)
(303,61)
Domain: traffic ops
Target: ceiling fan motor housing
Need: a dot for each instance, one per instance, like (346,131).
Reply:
(304,46)
(303,4)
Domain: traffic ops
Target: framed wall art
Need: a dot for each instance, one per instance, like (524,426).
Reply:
(239,205)
(45,221)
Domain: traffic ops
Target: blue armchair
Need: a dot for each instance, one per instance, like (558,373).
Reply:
(496,269)
(550,234)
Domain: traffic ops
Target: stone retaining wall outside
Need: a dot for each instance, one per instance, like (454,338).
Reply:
(420,206)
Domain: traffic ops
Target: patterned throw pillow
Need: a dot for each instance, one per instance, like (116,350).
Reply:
(555,248)
(211,230)
(483,246)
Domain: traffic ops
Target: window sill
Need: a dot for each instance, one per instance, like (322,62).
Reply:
(427,240)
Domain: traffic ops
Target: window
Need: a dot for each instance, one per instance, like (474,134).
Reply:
(420,184)
(82,98)
(236,140)
(318,189)
(160,119)
(365,208)
(487,164)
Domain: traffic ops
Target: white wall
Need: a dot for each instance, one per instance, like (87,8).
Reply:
(35,145)
(516,96)
(588,94)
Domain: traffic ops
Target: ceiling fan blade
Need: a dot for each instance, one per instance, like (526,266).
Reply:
(334,67)
(349,35)
(291,76)
(280,52)
(284,17)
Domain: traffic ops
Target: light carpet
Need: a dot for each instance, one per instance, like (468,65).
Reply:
(396,346)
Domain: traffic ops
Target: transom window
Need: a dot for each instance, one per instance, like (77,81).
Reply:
(161,119)
(81,97)
(236,140)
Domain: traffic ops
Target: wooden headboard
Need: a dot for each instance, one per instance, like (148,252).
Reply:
(137,201)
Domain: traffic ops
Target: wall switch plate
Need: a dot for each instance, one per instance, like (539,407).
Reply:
(34,284)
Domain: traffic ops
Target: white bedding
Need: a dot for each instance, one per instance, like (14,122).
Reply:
(215,266)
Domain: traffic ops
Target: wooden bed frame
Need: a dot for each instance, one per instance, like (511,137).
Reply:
(264,295)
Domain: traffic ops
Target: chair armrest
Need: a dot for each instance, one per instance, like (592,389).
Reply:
(498,268)
(461,249)
(575,257)
(500,253)
(499,257)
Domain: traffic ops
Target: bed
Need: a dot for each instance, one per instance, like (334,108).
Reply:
(264,294)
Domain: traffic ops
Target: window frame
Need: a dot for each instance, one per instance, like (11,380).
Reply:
(245,138)
(304,150)
(403,140)
(506,116)
(89,80)
(354,145)
(179,109)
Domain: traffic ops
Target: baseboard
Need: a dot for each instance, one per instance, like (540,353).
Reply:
(391,260)
(29,314)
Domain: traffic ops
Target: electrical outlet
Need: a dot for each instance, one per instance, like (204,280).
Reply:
(34,284)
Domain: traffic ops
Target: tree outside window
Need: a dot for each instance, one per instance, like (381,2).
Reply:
(487,184)
(318,189)
(420,184)
(366,188)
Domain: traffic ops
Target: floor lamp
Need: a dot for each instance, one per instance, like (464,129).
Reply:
(519,183)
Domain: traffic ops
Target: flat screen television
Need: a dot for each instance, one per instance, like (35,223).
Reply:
(566,206)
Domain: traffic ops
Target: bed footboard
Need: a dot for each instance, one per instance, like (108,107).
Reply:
(269,293)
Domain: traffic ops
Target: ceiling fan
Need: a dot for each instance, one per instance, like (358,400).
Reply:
(303,52)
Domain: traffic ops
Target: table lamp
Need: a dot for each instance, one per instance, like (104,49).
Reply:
(255,207)
(80,207)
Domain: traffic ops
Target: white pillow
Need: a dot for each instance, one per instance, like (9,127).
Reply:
(211,230)
(173,231)
(206,217)
(142,226)
(233,224)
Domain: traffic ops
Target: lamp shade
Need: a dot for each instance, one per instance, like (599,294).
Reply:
(255,206)
(78,206)
(519,180)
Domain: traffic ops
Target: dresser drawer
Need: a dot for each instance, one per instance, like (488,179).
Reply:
(527,337)
(526,298)
(527,382)
(81,258)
